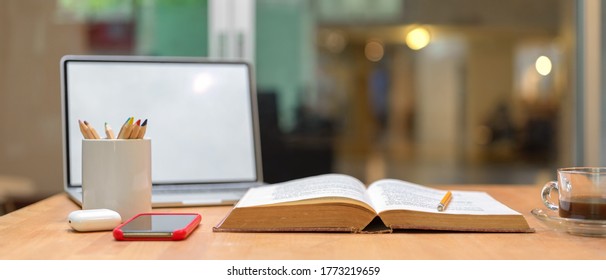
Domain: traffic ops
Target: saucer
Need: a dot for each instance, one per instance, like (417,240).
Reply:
(595,228)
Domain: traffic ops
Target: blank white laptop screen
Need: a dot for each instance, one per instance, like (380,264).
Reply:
(199,115)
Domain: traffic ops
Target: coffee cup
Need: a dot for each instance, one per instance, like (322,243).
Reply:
(581,193)
(116,175)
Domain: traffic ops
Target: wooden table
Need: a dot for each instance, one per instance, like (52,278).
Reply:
(40,231)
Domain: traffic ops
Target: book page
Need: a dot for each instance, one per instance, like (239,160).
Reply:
(330,185)
(390,194)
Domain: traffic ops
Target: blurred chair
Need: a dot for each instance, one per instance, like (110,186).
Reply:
(306,151)
(13,189)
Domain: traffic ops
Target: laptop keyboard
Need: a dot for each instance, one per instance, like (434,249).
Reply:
(184,195)
(238,188)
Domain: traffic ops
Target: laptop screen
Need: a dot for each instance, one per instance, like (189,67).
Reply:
(200,115)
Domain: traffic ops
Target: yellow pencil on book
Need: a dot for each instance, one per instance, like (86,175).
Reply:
(444,202)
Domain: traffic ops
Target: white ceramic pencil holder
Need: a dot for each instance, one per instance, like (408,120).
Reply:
(116,175)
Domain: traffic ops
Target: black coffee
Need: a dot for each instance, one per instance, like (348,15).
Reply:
(584,207)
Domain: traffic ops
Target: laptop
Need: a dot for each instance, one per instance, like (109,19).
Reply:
(202,121)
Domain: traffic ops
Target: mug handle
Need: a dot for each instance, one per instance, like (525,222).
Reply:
(546,194)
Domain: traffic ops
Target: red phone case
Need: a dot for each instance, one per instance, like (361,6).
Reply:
(178,234)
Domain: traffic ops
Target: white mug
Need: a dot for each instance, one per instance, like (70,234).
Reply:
(116,175)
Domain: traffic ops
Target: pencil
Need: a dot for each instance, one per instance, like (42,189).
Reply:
(444,202)
(93,132)
(129,128)
(124,128)
(84,130)
(135,131)
(121,132)
(109,132)
(142,130)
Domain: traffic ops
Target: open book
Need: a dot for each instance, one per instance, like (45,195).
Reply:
(336,202)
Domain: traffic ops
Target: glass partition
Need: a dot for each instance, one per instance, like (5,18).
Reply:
(434,92)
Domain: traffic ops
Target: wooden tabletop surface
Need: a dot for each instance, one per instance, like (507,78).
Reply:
(41,231)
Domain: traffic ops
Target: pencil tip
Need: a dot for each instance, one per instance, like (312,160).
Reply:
(144,123)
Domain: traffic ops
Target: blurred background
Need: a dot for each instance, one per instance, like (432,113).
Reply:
(429,91)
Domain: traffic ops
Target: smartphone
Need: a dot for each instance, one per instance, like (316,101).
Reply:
(158,226)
